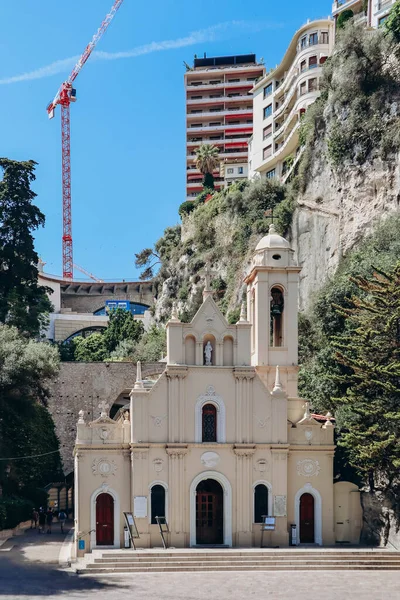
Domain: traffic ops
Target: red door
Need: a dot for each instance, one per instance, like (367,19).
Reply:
(307,519)
(209,513)
(104,520)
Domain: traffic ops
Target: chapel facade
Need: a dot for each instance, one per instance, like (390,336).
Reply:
(221,439)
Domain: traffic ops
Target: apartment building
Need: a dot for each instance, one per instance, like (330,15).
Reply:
(282,96)
(371,12)
(219,111)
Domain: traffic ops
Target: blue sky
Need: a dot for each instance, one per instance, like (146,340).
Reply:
(128,125)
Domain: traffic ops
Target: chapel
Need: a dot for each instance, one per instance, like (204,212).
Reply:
(221,440)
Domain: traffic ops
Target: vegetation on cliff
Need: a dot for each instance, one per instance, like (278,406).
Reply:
(357,117)
(221,234)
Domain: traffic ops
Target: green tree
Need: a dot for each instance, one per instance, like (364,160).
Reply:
(121,326)
(153,345)
(369,349)
(392,23)
(207,160)
(26,427)
(344,16)
(23,302)
(90,349)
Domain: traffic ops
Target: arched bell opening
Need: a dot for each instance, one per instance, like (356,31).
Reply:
(277,306)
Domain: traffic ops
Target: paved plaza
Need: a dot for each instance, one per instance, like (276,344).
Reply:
(29,569)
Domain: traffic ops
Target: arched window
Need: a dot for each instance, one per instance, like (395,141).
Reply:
(260,502)
(157,503)
(276,322)
(209,420)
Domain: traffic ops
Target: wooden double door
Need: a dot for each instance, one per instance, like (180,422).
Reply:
(209,513)
(307,520)
(104,520)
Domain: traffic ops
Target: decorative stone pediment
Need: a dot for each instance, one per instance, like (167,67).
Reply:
(210,318)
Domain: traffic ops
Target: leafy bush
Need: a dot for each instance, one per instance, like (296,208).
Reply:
(186,208)
(344,16)
(392,23)
(14,510)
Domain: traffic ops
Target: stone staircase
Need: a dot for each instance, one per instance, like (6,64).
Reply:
(198,561)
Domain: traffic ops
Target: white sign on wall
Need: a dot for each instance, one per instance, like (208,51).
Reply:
(140,507)
(280,506)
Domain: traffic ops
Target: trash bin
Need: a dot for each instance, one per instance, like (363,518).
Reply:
(293,534)
(127,541)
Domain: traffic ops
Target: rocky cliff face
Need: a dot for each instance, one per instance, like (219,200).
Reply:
(336,211)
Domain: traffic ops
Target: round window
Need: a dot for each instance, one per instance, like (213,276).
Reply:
(276,256)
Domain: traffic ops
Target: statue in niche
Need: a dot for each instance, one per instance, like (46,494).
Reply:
(208,354)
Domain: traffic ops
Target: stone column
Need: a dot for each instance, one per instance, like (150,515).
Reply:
(140,487)
(244,495)
(244,404)
(279,487)
(176,403)
(177,494)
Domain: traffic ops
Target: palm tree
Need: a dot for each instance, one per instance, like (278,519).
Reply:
(207,161)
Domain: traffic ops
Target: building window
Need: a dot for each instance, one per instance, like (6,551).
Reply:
(270,174)
(267,132)
(215,109)
(196,125)
(313,62)
(303,42)
(229,171)
(313,39)
(260,502)
(157,498)
(209,421)
(268,111)
(303,88)
(240,170)
(324,37)
(276,317)
(267,151)
(303,65)
(215,123)
(312,85)
(268,90)
(196,98)
(233,80)
(382,20)
(215,95)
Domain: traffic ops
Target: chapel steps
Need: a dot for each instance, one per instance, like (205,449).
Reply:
(147,561)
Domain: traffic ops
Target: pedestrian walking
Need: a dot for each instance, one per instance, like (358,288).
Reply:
(34,518)
(42,521)
(62,517)
(49,519)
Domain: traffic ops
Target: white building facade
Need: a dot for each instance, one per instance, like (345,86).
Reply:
(282,96)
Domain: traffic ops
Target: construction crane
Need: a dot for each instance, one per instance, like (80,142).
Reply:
(90,275)
(65,95)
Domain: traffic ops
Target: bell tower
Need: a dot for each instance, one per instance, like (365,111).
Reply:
(272,308)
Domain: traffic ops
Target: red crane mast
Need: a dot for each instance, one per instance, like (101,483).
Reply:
(65,95)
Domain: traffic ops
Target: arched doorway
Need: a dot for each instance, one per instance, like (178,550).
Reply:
(209,512)
(104,520)
(307,520)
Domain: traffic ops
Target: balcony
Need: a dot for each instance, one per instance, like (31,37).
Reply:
(223,84)
(223,99)
(217,143)
(382,6)
(208,128)
(340,5)
(230,113)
